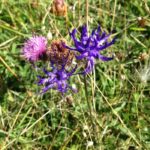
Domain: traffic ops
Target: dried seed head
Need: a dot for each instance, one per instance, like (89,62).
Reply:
(143,56)
(59,2)
(59,55)
(119,56)
(59,8)
(69,100)
(141,21)
(144,74)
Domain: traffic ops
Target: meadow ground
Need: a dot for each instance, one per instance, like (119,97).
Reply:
(118,91)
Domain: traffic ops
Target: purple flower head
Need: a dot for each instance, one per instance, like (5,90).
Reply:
(34,48)
(90,46)
(56,79)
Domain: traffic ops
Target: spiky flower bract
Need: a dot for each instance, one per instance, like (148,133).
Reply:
(90,46)
(34,48)
(56,79)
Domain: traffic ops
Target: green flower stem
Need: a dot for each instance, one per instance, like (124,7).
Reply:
(87,99)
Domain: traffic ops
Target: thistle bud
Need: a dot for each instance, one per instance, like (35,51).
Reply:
(59,8)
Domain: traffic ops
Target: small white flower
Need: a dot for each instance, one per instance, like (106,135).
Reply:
(74,88)
(89,143)
(85,127)
(49,35)
(84,134)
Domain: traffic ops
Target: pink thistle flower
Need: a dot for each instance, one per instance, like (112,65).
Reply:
(35,48)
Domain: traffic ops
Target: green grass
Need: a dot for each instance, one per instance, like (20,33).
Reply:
(118,91)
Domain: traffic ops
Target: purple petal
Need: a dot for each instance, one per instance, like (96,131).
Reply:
(82,56)
(47,88)
(102,41)
(62,86)
(98,29)
(93,33)
(84,33)
(90,66)
(79,45)
(88,42)
(70,48)
(94,45)
(73,35)
(72,71)
(100,48)
(104,58)
(48,73)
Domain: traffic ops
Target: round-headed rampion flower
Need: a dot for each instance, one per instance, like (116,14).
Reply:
(90,46)
(56,79)
(34,48)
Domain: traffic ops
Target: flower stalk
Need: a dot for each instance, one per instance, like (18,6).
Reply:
(87,10)
(88,100)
